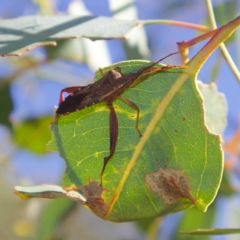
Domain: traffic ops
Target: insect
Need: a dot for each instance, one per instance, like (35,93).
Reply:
(107,89)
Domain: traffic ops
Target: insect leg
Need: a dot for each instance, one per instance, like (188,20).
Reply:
(133,105)
(102,73)
(113,131)
(69,90)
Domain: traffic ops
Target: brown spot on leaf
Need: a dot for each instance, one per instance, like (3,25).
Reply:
(171,185)
(93,192)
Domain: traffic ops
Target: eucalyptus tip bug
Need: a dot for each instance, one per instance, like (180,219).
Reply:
(107,89)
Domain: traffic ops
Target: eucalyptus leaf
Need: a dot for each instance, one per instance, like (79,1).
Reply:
(25,33)
(175,165)
(48,191)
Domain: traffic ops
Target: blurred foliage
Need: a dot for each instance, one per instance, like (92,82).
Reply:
(6,104)
(52,216)
(194,219)
(33,134)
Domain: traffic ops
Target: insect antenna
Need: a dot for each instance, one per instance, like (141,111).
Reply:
(147,69)
(144,69)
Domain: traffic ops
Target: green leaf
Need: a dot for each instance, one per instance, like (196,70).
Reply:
(25,33)
(6,108)
(176,164)
(215,231)
(33,134)
(51,217)
(192,219)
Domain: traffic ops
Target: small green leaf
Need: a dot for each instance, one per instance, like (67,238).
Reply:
(176,164)
(48,191)
(215,231)
(33,134)
(43,191)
